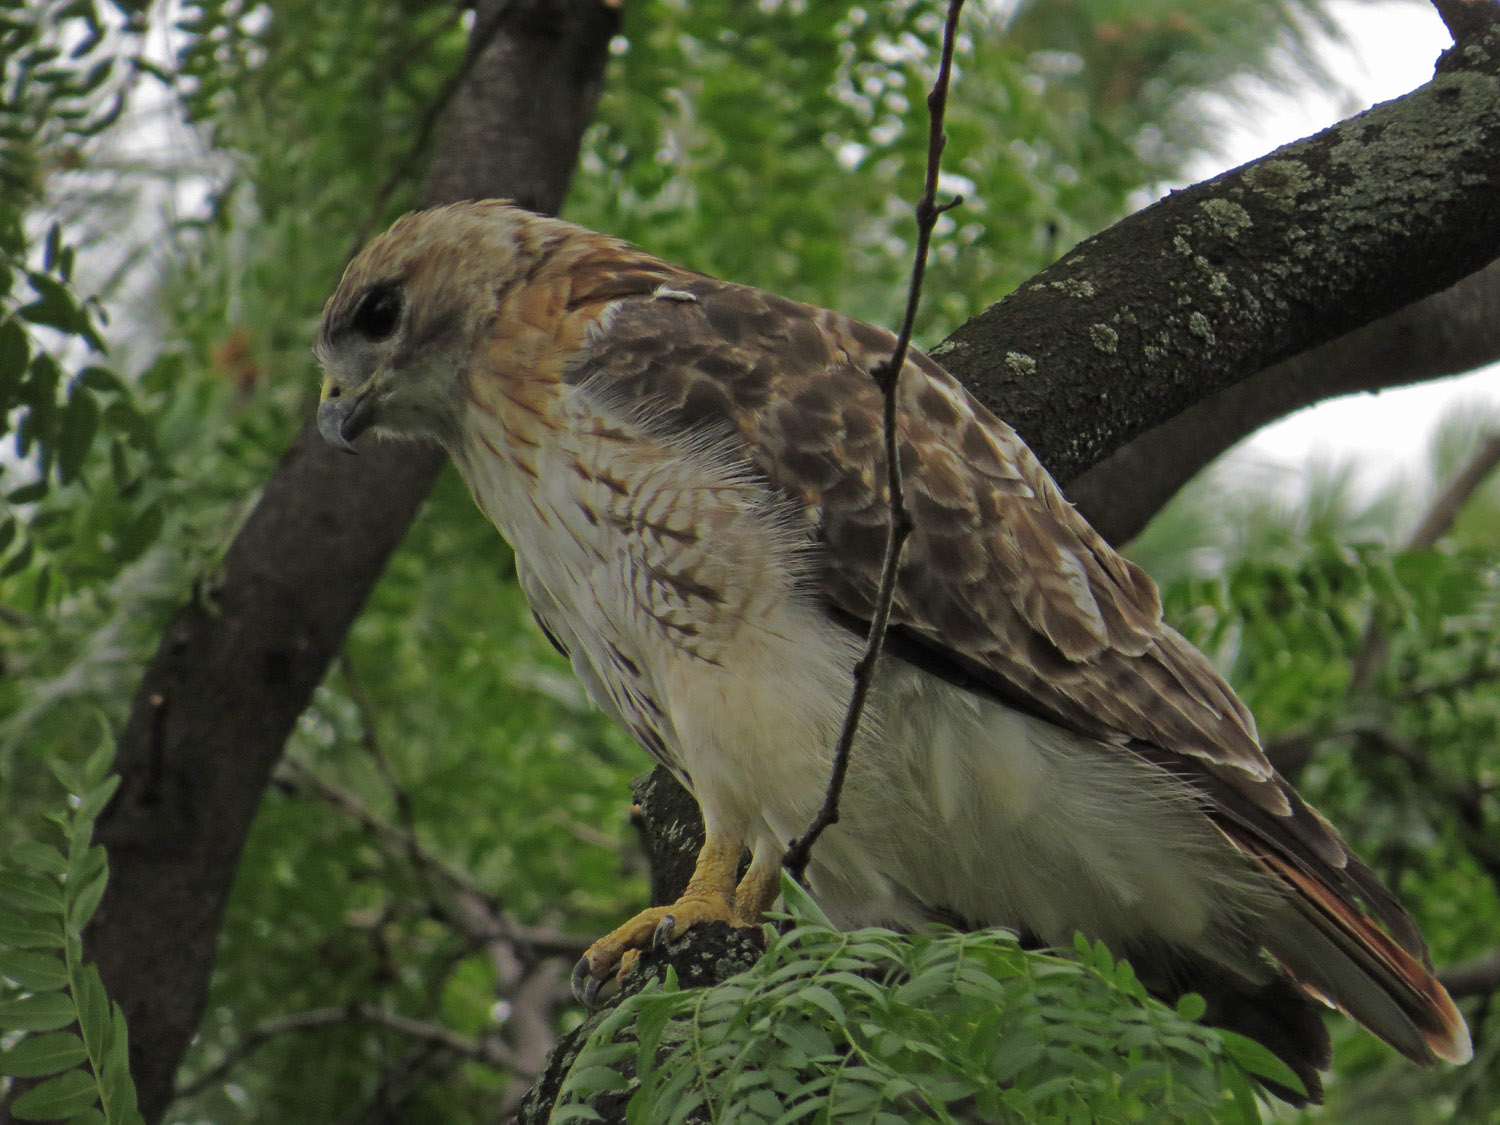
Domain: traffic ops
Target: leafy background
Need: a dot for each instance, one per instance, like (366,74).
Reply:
(179,186)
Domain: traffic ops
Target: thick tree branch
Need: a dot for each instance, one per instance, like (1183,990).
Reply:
(1215,283)
(235,669)
(1449,333)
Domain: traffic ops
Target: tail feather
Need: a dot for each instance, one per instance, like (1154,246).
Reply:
(1335,951)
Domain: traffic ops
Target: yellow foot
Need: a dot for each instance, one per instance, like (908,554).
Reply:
(615,952)
(711,896)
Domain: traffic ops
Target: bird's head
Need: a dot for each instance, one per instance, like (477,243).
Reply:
(398,335)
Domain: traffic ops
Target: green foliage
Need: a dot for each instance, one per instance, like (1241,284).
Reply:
(1401,757)
(775,143)
(784,146)
(66,70)
(874,1026)
(48,893)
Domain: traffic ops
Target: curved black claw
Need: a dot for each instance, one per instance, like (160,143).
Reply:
(586,986)
(663,933)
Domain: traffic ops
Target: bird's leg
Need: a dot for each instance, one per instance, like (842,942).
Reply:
(708,897)
(759,886)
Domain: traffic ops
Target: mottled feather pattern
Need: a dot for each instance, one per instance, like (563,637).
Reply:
(692,476)
(1000,568)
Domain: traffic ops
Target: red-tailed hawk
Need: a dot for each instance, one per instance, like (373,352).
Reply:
(692,476)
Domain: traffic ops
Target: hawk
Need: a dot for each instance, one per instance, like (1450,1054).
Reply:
(692,476)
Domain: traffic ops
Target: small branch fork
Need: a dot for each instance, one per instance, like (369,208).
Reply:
(887,376)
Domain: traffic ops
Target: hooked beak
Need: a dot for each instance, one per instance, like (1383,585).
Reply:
(342,417)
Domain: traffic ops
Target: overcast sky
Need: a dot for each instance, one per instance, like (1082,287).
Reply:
(1391,50)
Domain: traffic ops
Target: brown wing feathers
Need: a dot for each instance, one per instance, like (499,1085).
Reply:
(1007,584)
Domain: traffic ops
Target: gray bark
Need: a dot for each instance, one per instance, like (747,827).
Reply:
(1449,333)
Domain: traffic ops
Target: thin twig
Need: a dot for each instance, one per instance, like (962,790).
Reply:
(1478,976)
(1434,524)
(888,376)
(369,736)
(485,1050)
(497,926)
(1466,800)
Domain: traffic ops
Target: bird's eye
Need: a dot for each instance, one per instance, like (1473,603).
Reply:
(378,311)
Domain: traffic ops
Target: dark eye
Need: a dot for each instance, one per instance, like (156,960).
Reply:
(378,311)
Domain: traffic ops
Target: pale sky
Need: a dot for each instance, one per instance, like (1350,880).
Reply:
(1391,50)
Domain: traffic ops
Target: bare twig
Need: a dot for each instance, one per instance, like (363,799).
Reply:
(1466,800)
(888,376)
(1435,523)
(483,918)
(369,736)
(485,1050)
(1478,976)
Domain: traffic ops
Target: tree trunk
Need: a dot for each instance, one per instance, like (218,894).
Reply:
(239,662)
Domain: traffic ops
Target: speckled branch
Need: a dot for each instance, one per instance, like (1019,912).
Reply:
(1215,283)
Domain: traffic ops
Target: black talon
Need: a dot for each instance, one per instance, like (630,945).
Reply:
(663,932)
(585,986)
(591,992)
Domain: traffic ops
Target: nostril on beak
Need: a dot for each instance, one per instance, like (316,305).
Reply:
(334,391)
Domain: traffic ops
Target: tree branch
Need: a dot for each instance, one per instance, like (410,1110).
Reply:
(1478,976)
(484,918)
(488,1051)
(1449,333)
(888,376)
(1217,282)
(1468,21)
(1374,645)
(235,670)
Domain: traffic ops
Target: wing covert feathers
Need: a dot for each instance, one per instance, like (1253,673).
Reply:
(1005,583)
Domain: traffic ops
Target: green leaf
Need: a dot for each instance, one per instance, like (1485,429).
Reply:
(573,1112)
(29,493)
(97,378)
(37,856)
(91,1117)
(75,433)
(46,1011)
(37,1056)
(35,972)
(1191,1006)
(83,903)
(1259,1061)
(25,930)
(62,1096)
(114,1079)
(30,892)
(15,353)
(83,866)
(54,306)
(97,797)
(96,769)
(93,1011)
